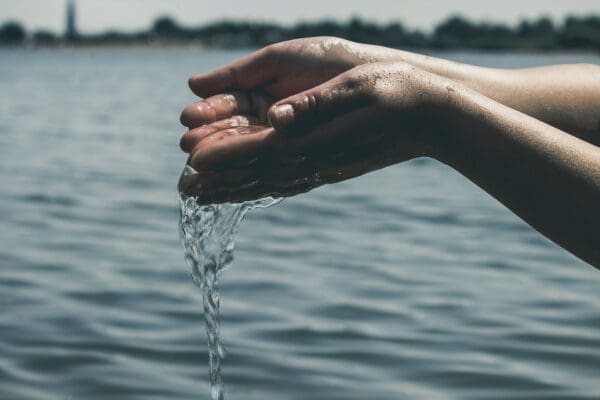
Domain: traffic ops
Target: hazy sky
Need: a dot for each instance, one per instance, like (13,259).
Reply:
(96,15)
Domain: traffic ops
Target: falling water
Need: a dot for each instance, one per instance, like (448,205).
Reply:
(207,233)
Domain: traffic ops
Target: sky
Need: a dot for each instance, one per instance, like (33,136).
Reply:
(99,15)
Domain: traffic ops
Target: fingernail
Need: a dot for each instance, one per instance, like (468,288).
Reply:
(284,114)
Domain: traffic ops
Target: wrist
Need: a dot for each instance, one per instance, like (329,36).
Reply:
(454,111)
(370,53)
(468,117)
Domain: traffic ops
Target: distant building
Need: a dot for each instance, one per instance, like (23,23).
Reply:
(70,28)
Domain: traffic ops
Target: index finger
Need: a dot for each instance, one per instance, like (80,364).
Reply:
(251,71)
(225,105)
(232,146)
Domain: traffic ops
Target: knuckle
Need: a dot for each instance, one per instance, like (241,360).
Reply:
(354,82)
(357,84)
(312,103)
(307,103)
(357,80)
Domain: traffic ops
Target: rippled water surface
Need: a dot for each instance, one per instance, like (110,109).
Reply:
(408,283)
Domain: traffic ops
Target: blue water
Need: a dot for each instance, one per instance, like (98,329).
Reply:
(408,283)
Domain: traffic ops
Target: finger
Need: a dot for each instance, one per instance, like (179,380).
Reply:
(191,138)
(217,181)
(214,108)
(225,105)
(249,72)
(297,114)
(276,163)
(279,171)
(265,147)
(252,192)
(232,147)
(278,178)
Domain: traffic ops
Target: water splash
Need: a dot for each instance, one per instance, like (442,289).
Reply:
(207,232)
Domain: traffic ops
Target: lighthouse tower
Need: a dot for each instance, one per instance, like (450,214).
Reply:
(70,28)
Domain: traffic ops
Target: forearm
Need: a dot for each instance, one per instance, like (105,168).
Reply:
(549,178)
(564,96)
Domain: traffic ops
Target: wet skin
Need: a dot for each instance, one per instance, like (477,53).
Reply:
(300,114)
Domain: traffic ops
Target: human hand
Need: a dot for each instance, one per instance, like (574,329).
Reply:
(364,119)
(376,114)
(252,84)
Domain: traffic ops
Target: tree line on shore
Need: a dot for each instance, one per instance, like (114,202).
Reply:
(577,33)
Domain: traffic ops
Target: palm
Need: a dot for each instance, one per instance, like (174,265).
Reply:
(251,161)
(241,156)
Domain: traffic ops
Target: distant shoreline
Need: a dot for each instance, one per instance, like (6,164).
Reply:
(87,46)
(201,47)
(575,33)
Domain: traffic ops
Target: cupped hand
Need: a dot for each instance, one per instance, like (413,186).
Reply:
(364,119)
(252,84)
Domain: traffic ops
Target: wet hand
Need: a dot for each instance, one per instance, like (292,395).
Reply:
(252,84)
(364,119)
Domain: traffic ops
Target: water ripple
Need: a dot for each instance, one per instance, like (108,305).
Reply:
(408,283)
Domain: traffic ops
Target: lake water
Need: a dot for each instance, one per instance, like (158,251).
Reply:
(407,283)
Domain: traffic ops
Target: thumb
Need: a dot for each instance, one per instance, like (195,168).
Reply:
(301,112)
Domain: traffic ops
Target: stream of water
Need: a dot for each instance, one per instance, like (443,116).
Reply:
(208,236)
